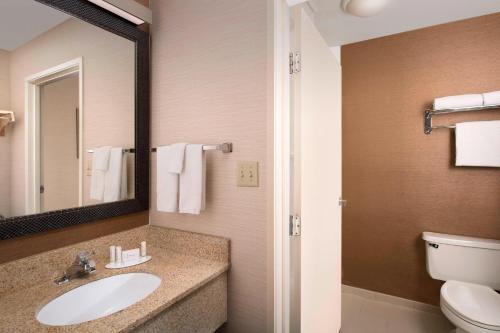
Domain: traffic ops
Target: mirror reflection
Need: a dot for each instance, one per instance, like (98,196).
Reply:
(66,111)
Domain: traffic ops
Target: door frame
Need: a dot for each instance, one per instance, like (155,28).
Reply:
(32,85)
(281,166)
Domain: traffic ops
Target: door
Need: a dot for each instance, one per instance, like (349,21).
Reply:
(59,144)
(316,184)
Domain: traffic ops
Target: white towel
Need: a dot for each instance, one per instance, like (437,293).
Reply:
(167,184)
(176,157)
(113,177)
(192,181)
(491,98)
(100,164)
(478,144)
(459,101)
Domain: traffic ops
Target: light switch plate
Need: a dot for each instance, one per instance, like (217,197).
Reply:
(248,174)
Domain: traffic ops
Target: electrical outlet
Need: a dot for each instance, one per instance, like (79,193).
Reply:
(248,174)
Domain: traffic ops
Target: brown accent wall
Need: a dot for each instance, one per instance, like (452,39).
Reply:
(400,182)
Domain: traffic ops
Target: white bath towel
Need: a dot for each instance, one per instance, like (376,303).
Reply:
(100,164)
(113,177)
(192,181)
(167,183)
(478,144)
(176,157)
(491,98)
(459,101)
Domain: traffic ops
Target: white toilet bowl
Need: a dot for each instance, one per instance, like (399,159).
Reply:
(471,307)
(471,268)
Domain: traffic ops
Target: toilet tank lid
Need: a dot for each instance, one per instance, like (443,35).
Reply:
(481,243)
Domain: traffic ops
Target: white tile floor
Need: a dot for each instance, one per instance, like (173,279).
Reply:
(367,314)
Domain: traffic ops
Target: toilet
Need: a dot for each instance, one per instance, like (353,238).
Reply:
(471,268)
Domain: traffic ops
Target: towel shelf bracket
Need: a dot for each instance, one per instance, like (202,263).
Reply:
(431,112)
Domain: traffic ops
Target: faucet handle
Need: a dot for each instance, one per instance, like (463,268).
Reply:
(82,257)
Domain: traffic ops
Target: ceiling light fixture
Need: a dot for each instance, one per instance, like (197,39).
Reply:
(364,8)
(129,10)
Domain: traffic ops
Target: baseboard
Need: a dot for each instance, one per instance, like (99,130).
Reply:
(384,298)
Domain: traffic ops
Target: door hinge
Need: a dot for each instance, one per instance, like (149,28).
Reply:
(295,225)
(294,62)
(342,202)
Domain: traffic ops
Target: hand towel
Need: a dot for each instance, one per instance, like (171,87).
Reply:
(192,181)
(176,157)
(113,176)
(491,98)
(100,164)
(478,144)
(167,183)
(459,101)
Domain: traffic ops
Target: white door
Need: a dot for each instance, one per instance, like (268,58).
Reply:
(316,108)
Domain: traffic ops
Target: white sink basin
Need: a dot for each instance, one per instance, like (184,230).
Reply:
(98,299)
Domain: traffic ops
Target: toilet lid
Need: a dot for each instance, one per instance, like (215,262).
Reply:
(475,303)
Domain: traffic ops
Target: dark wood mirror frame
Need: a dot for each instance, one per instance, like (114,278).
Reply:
(31,224)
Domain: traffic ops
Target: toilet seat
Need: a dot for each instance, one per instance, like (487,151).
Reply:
(476,304)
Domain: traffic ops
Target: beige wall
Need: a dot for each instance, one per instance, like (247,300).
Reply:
(398,181)
(210,83)
(5,140)
(108,71)
(58,146)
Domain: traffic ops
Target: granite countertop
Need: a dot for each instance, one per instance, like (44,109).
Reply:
(181,275)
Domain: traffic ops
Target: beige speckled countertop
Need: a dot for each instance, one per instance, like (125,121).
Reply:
(182,272)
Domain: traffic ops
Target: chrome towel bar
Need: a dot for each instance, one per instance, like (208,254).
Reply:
(431,112)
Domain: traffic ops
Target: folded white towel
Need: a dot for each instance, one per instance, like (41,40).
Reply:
(459,101)
(100,164)
(478,144)
(113,177)
(176,157)
(167,183)
(192,181)
(491,98)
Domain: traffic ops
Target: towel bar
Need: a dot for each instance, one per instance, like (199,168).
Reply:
(431,112)
(128,150)
(226,147)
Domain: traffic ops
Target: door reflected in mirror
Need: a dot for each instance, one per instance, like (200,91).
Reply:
(67,111)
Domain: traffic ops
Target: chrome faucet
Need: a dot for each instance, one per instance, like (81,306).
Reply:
(82,266)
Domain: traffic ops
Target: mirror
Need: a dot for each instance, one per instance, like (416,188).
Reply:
(67,111)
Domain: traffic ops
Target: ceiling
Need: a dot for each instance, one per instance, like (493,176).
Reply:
(339,28)
(23,20)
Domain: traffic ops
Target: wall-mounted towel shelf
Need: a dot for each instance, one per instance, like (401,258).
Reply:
(431,112)
(226,147)
(127,150)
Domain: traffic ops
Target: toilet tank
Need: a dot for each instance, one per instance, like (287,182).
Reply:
(460,258)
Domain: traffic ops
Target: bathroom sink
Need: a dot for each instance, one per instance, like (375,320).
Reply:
(98,299)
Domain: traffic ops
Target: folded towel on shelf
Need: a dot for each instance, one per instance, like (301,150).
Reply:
(100,164)
(176,157)
(114,176)
(459,101)
(478,144)
(192,181)
(167,183)
(491,98)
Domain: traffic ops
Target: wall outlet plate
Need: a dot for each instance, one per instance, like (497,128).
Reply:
(247,174)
